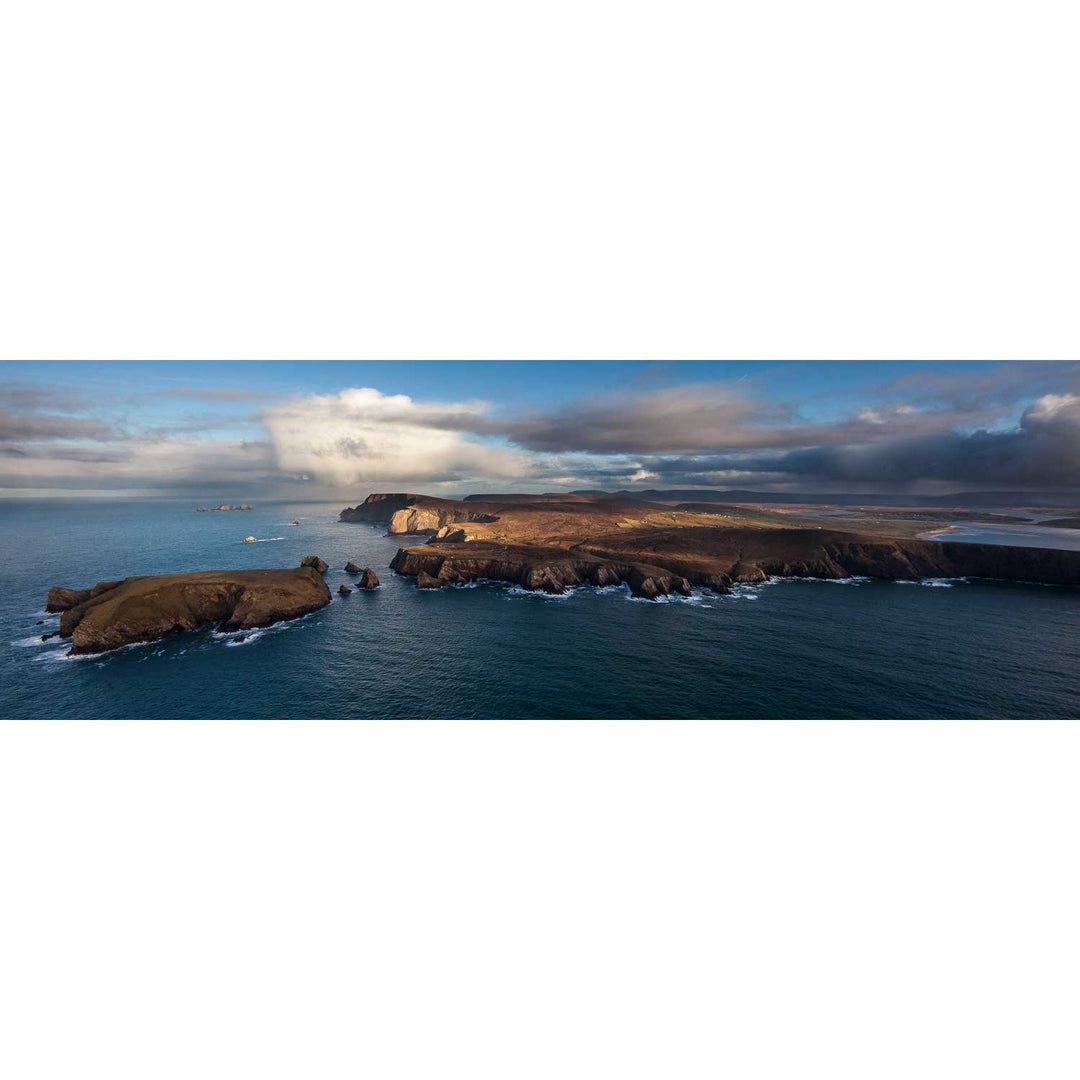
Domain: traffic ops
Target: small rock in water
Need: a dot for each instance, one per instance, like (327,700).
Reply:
(368,580)
(249,540)
(45,637)
(295,521)
(352,568)
(344,590)
(239,638)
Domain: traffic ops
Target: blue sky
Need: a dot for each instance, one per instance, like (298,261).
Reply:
(324,428)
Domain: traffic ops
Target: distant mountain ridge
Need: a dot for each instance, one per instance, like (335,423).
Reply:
(964,498)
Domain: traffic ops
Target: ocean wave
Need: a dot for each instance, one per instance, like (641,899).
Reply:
(694,599)
(50,656)
(743,592)
(517,590)
(30,642)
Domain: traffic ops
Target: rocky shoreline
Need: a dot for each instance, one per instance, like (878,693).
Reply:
(549,570)
(117,613)
(717,559)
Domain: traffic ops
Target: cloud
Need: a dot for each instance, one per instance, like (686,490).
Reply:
(214,394)
(706,435)
(162,463)
(24,395)
(1042,451)
(34,426)
(364,436)
(711,416)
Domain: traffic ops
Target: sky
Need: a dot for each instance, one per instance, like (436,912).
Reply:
(240,430)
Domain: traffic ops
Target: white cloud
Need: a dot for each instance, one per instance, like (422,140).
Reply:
(364,436)
(1051,405)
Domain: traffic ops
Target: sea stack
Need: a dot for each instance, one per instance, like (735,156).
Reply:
(344,590)
(316,562)
(368,580)
(352,568)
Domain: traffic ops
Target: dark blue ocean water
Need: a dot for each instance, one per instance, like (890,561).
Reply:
(794,649)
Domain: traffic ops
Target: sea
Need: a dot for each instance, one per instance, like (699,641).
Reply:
(791,649)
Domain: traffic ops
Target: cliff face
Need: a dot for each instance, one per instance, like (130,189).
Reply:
(551,570)
(432,519)
(380,507)
(734,555)
(145,608)
(407,513)
(658,562)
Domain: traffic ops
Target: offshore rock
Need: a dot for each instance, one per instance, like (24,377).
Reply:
(146,608)
(344,590)
(352,568)
(368,580)
(316,562)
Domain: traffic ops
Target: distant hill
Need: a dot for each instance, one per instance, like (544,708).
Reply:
(964,498)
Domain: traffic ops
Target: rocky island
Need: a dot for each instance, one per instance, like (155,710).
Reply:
(117,613)
(554,542)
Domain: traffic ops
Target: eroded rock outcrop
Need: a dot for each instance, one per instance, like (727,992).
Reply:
(315,562)
(368,580)
(406,513)
(662,562)
(733,555)
(60,599)
(432,519)
(551,570)
(146,608)
(352,568)
(379,508)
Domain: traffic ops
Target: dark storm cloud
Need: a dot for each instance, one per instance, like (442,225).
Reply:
(1043,451)
(710,417)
